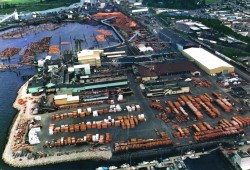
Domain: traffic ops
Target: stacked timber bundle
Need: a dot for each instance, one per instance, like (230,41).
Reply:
(173,108)
(105,32)
(208,126)
(225,128)
(141,144)
(180,108)
(182,118)
(108,138)
(156,105)
(207,109)
(163,116)
(65,43)
(201,126)
(126,122)
(192,107)
(201,82)
(241,121)
(216,133)
(181,132)
(21,101)
(163,135)
(54,49)
(9,52)
(88,139)
(214,109)
(43,44)
(177,108)
(86,104)
(222,105)
(100,38)
(223,102)
(217,95)
(19,136)
(181,101)
(74,114)
(208,97)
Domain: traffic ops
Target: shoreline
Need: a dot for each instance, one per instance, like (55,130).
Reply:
(76,155)
(23,162)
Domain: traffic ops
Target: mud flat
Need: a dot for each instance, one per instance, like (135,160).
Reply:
(57,157)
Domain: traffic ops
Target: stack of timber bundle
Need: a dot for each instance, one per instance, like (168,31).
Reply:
(141,144)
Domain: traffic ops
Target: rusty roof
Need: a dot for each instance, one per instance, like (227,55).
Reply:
(158,69)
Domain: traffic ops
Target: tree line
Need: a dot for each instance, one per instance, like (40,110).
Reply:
(178,4)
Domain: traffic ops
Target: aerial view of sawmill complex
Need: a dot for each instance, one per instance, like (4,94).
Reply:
(126,84)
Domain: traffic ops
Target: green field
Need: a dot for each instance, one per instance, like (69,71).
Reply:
(18,1)
(34,7)
(211,1)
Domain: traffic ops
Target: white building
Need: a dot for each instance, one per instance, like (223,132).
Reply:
(139,10)
(243,160)
(208,62)
(92,57)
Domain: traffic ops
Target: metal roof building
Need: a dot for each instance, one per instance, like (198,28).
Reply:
(207,61)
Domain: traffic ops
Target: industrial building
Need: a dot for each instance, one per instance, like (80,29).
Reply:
(242,159)
(92,57)
(85,68)
(80,92)
(36,86)
(207,61)
(153,89)
(171,37)
(139,10)
(154,71)
(65,99)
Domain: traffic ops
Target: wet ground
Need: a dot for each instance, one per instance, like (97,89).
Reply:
(67,32)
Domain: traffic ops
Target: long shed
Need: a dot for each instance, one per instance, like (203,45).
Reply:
(208,62)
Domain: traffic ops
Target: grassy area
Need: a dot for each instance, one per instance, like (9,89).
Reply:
(211,1)
(18,1)
(231,52)
(36,6)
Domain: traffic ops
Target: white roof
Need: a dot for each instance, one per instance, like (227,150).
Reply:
(143,48)
(205,28)
(72,98)
(71,69)
(199,24)
(48,58)
(206,58)
(82,66)
(59,97)
(89,52)
(194,28)
(189,23)
(33,138)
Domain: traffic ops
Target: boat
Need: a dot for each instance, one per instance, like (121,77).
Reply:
(125,165)
(112,167)
(183,157)
(102,168)
(190,152)
(160,165)
(165,160)
(154,162)
(194,156)
(143,163)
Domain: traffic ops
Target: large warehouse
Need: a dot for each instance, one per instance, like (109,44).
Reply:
(207,61)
